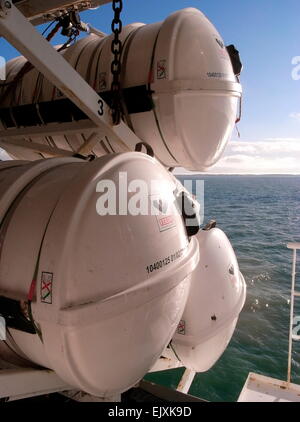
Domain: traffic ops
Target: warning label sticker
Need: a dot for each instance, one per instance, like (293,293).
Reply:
(181,327)
(162,69)
(46,287)
(102,81)
(165,222)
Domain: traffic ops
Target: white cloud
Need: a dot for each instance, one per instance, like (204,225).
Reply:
(295,116)
(268,156)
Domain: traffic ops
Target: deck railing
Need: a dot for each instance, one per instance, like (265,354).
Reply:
(294,293)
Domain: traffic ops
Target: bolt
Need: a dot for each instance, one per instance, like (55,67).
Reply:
(5,8)
(231,270)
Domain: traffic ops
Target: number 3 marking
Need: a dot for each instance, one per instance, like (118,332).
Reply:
(100,111)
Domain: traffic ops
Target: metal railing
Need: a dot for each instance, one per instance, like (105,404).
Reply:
(294,293)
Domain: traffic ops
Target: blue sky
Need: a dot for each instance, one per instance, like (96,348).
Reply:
(267,34)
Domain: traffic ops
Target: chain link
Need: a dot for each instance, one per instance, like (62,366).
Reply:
(116,49)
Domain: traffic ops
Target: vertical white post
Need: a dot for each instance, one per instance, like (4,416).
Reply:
(186,381)
(292,316)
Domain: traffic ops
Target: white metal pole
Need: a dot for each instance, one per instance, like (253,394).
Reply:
(186,381)
(292,316)
(95,31)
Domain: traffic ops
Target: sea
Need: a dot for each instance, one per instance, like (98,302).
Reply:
(260,215)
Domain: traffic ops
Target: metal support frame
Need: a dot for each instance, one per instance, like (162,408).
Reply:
(51,129)
(294,247)
(21,383)
(38,11)
(259,388)
(186,381)
(170,361)
(83,397)
(19,32)
(36,147)
(167,394)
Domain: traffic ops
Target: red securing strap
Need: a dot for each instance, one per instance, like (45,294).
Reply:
(31,290)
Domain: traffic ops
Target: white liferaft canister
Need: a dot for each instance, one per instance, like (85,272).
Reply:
(104,310)
(179,89)
(217,296)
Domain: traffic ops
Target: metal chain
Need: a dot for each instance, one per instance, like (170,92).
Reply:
(116,49)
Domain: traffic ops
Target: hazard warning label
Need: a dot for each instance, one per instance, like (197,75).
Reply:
(162,69)
(165,222)
(102,81)
(46,287)
(181,327)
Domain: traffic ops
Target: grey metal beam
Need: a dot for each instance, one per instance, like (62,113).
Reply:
(23,36)
(20,383)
